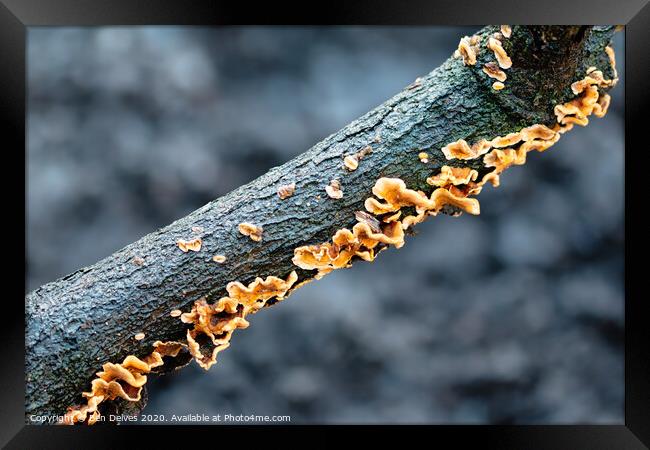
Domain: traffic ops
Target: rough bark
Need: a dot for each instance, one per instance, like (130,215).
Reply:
(89,317)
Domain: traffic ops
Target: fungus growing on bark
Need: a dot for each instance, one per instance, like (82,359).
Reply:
(286,190)
(589,100)
(255,295)
(423,157)
(220,259)
(351,162)
(500,54)
(175,313)
(497,85)
(395,195)
(334,189)
(492,70)
(392,217)
(216,322)
(123,380)
(461,149)
(213,324)
(139,336)
(252,231)
(467,49)
(369,233)
(601,107)
(452,175)
(345,245)
(193,245)
(506,30)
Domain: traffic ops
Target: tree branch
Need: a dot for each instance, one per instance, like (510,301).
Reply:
(90,317)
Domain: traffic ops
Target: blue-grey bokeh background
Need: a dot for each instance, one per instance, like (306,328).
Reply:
(514,316)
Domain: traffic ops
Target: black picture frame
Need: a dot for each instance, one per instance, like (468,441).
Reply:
(17,15)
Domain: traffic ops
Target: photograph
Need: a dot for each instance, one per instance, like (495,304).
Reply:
(376,217)
(256,160)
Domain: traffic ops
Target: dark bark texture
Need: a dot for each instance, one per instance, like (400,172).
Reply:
(77,323)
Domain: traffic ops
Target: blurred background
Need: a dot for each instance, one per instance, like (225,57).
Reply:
(514,316)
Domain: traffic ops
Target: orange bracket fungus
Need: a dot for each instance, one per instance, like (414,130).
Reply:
(500,54)
(453,175)
(423,157)
(351,162)
(468,49)
(123,380)
(460,149)
(252,231)
(334,189)
(193,245)
(214,324)
(497,85)
(492,70)
(506,30)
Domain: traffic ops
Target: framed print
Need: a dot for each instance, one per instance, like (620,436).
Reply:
(263,218)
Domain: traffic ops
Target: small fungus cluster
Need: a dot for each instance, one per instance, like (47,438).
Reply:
(351,162)
(500,54)
(468,49)
(193,245)
(252,231)
(492,70)
(334,189)
(213,324)
(589,101)
(123,380)
(375,231)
